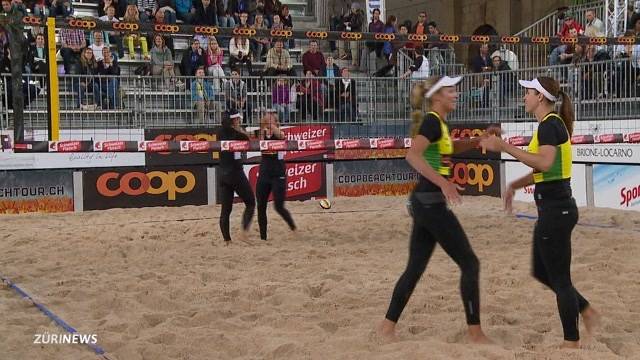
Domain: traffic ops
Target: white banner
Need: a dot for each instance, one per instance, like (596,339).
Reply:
(600,153)
(515,170)
(374,4)
(27,161)
(616,186)
(607,153)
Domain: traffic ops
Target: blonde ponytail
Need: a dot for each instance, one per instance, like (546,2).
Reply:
(419,103)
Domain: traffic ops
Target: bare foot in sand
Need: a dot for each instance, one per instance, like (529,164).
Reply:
(570,345)
(591,319)
(477,336)
(387,331)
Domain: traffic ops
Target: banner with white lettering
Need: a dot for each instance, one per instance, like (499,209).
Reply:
(616,186)
(515,170)
(36,191)
(388,177)
(305,180)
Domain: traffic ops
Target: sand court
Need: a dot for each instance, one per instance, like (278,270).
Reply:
(157,283)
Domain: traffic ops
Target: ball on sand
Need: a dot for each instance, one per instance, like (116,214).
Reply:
(325,204)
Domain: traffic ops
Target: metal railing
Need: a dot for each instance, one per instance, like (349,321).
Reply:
(93,105)
(606,90)
(537,55)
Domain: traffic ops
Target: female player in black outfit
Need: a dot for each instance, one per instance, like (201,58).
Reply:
(549,155)
(232,176)
(272,178)
(433,221)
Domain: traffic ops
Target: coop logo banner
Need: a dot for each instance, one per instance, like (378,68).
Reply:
(181,158)
(465,131)
(373,177)
(36,191)
(144,187)
(477,177)
(616,186)
(304,180)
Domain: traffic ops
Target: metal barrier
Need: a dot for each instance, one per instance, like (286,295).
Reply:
(92,105)
(603,90)
(532,56)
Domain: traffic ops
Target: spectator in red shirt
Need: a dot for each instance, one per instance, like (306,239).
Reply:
(420,28)
(570,23)
(313,59)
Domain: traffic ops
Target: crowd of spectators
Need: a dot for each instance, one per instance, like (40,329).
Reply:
(212,68)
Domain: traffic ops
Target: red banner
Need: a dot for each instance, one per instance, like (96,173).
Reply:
(304,180)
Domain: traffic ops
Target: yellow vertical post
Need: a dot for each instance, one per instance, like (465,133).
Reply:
(52,90)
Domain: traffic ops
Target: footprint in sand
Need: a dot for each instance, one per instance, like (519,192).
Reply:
(329,326)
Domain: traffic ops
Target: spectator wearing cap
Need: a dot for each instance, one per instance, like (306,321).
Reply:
(570,23)
(313,59)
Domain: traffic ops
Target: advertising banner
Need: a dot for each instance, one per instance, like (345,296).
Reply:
(607,153)
(178,158)
(29,161)
(515,170)
(370,177)
(299,132)
(304,180)
(477,177)
(142,187)
(468,130)
(36,191)
(616,186)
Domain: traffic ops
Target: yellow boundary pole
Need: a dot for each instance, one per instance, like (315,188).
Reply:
(52,91)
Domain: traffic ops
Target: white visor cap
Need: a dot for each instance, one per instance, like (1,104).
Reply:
(443,82)
(535,84)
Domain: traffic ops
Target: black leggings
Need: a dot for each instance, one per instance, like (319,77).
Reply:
(552,260)
(235,181)
(276,185)
(437,223)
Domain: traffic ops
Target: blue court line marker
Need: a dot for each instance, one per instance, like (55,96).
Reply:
(533,217)
(97,349)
